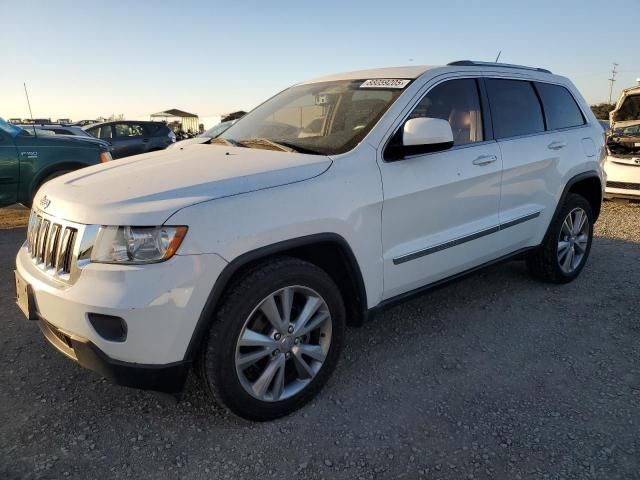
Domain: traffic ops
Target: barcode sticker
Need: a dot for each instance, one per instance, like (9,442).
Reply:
(385,83)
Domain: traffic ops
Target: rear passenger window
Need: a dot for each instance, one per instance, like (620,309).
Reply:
(103,132)
(129,130)
(515,108)
(559,107)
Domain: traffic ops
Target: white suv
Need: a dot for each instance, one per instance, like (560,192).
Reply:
(337,197)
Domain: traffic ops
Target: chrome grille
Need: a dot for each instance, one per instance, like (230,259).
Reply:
(52,245)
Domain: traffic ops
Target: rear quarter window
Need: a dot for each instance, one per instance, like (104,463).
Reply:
(155,128)
(560,107)
(515,108)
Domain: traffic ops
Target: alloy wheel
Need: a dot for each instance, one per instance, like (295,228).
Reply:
(573,240)
(283,343)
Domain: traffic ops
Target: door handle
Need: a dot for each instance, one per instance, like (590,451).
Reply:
(557,145)
(485,160)
(145,140)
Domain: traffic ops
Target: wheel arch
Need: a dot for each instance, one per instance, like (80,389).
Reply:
(329,251)
(587,184)
(37,180)
(590,187)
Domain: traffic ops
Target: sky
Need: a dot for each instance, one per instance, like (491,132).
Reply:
(86,58)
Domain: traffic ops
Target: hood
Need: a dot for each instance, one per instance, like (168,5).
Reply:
(93,140)
(627,110)
(189,141)
(60,141)
(147,189)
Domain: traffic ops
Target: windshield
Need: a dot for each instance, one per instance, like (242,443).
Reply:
(217,130)
(326,118)
(9,128)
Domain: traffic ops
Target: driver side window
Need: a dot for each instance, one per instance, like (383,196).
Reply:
(458,102)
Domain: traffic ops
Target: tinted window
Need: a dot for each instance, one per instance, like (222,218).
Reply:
(457,102)
(129,130)
(103,132)
(559,107)
(514,107)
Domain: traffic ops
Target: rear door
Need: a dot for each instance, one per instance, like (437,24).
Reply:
(440,209)
(9,170)
(534,154)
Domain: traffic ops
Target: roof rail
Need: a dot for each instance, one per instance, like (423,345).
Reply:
(472,63)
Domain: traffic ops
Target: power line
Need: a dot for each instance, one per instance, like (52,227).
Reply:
(612,80)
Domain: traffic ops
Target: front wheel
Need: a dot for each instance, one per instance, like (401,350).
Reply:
(566,246)
(275,340)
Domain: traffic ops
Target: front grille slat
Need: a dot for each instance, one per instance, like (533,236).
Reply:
(66,265)
(42,240)
(51,245)
(62,248)
(624,185)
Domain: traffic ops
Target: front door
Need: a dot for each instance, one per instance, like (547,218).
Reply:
(441,209)
(9,170)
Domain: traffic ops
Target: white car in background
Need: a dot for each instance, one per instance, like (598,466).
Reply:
(623,147)
(246,257)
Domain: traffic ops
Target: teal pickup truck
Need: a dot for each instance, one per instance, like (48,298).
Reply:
(29,159)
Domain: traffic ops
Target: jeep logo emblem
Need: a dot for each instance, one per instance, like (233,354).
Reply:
(44,202)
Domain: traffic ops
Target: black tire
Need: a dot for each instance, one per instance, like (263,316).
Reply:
(543,263)
(217,362)
(51,176)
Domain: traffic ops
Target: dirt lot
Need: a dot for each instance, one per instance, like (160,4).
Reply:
(496,376)
(13,217)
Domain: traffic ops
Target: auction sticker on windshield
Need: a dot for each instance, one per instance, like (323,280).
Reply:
(385,83)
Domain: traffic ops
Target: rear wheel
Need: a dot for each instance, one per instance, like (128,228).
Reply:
(275,340)
(566,246)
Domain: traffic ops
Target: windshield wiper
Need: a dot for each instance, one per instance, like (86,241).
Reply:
(226,141)
(279,145)
(300,149)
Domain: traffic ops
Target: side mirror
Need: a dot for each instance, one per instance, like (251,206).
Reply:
(427,131)
(420,135)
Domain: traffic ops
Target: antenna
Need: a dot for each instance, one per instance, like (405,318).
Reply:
(498,57)
(30,112)
(612,80)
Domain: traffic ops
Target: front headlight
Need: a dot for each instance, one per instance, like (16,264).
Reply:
(136,245)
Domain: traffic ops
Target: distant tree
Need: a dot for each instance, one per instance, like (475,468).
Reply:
(601,110)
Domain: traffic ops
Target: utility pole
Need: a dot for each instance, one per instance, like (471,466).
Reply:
(612,80)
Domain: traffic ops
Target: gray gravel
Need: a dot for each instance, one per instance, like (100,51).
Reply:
(496,376)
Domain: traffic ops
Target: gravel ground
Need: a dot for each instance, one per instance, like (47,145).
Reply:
(13,217)
(496,376)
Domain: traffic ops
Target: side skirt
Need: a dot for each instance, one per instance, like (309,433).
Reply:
(403,297)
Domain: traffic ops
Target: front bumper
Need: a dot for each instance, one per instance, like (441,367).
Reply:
(160,303)
(168,378)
